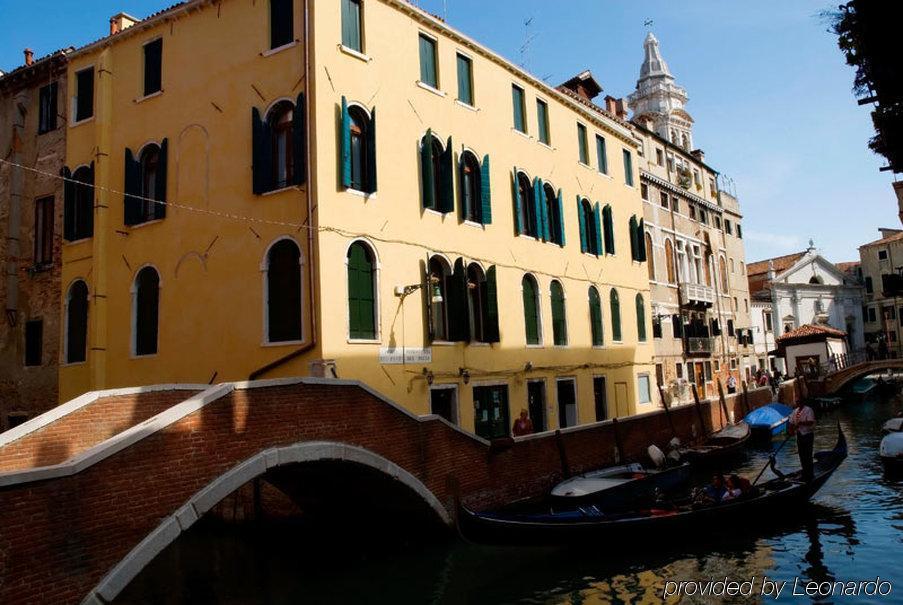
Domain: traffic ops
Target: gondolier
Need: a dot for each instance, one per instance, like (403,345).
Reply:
(802,422)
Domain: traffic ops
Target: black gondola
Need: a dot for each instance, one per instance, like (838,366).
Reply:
(719,446)
(779,496)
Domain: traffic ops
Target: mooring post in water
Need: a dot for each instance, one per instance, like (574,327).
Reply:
(562,454)
(723,401)
(618,444)
(698,405)
(661,393)
(746,397)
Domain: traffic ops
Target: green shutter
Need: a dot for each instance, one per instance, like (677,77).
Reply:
(581,216)
(485,193)
(609,230)
(446,179)
(426,169)
(160,185)
(615,316)
(601,155)
(634,245)
(465,80)
(370,185)
(628,168)
(559,320)
(456,304)
(560,217)
(597,232)
(538,208)
(595,317)
(531,321)
(68,204)
(299,142)
(518,212)
(491,317)
(361,299)
(345,147)
(131,204)
(351,25)
(427,61)
(640,318)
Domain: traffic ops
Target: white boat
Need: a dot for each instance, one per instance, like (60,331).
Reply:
(891,452)
(596,481)
(619,486)
(893,425)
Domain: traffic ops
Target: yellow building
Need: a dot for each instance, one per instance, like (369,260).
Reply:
(472,252)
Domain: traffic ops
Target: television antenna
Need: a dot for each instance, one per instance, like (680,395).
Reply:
(529,36)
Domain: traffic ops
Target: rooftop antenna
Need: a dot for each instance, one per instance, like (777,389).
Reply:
(647,23)
(528,39)
(445,10)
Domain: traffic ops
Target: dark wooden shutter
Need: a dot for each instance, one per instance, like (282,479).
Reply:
(677,325)
(531,319)
(597,232)
(456,305)
(77,323)
(153,66)
(345,144)
(595,315)
(539,208)
(160,209)
(485,193)
(370,184)
(560,202)
(281,23)
(640,318)
(634,245)
(68,204)
(491,315)
(446,179)
(615,316)
(299,142)
(518,212)
(609,230)
(426,169)
(641,241)
(262,153)
(147,312)
(131,203)
(581,216)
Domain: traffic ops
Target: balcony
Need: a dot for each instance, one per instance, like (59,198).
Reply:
(697,294)
(699,346)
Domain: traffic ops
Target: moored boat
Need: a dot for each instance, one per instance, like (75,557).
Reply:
(891,452)
(719,446)
(768,421)
(589,523)
(619,486)
(893,425)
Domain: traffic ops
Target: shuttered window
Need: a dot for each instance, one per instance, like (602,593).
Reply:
(278,142)
(146,311)
(553,210)
(78,203)
(145,184)
(351,25)
(282,27)
(601,154)
(559,315)
(608,229)
(519,108)
(43,232)
(34,342)
(640,318)
(76,322)
(465,79)
(582,145)
(428,69)
(531,309)
(361,292)
(634,239)
(470,188)
(436,177)
(153,66)
(84,94)
(542,119)
(524,206)
(628,168)
(47,108)
(284,292)
(615,305)
(595,317)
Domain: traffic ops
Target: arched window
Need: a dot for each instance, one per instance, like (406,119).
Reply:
(615,305)
(146,303)
(470,188)
(436,174)
(595,317)
(708,269)
(723,270)
(283,281)
(361,292)
(589,228)
(640,318)
(438,297)
(559,314)
(526,206)
(358,133)
(685,142)
(553,212)
(76,322)
(650,259)
(78,203)
(669,261)
(476,299)
(531,310)
(281,121)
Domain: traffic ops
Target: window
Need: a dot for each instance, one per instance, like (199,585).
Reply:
(730,327)
(465,79)
(640,318)
(717,222)
(361,292)
(637,240)
(476,203)
(727,227)
(567,402)
(601,154)
(608,229)
(723,271)
(437,278)
(768,324)
(677,326)
(615,305)
(47,108)
(644,393)
(582,145)
(43,232)
(536,404)
(697,179)
(599,398)
(491,414)
(34,342)
(146,311)
(595,317)
(650,258)
(872,314)
(553,214)
(278,142)
(669,262)
(84,94)
(656,326)
(282,29)
(477,303)
(559,315)
(429,72)
(153,67)
(644,191)
(628,168)
(692,212)
(664,197)
(519,108)
(542,119)
(78,203)
(436,174)
(739,231)
(444,402)
(713,189)
(531,310)
(358,148)
(525,206)
(283,289)
(145,184)
(703,217)
(351,25)
(76,322)
(882,254)
(868,285)
(590,228)
(659,157)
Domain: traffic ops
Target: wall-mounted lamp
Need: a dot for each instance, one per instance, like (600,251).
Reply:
(435,290)
(429,375)
(465,374)
(528,366)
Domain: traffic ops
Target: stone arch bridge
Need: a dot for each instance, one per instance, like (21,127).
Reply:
(93,490)
(836,380)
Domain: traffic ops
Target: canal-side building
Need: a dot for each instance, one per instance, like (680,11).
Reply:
(693,243)
(33,119)
(370,195)
(881,268)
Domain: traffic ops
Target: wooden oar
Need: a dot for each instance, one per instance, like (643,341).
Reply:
(771,458)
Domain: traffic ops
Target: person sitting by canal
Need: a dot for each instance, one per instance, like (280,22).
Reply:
(731,384)
(802,422)
(523,425)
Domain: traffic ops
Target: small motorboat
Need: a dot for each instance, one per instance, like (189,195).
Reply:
(619,486)
(768,421)
(719,446)
(893,425)
(664,519)
(891,452)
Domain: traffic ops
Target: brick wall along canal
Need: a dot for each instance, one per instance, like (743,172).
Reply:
(852,532)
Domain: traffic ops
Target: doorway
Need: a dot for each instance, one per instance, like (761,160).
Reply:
(536,404)
(599,399)
(567,402)
(621,406)
(444,402)
(491,415)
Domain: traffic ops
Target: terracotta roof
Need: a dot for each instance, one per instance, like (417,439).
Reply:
(810,330)
(781,263)
(848,266)
(885,240)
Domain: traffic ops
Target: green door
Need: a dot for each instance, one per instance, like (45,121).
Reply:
(491,417)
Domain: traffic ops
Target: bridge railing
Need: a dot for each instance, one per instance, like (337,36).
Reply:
(836,363)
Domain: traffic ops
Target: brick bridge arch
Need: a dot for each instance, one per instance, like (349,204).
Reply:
(835,381)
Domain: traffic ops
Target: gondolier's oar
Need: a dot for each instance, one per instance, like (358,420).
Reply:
(771,458)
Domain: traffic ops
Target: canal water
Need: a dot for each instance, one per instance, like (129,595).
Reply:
(851,532)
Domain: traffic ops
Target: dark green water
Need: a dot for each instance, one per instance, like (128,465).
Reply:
(852,531)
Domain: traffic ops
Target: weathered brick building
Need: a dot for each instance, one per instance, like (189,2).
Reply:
(32,135)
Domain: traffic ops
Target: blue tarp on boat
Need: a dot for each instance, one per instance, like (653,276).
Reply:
(772,415)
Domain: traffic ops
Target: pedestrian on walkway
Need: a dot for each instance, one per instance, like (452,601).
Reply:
(731,384)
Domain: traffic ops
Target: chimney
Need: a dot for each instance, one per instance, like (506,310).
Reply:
(616,106)
(120,22)
(584,85)
(699,154)
(29,56)
(888,231)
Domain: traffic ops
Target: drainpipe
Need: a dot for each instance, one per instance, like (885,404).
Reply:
(16,180)
(311,179)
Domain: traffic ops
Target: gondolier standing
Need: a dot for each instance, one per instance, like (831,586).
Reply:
(802,422)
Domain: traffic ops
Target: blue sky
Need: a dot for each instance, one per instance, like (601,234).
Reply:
(768,89)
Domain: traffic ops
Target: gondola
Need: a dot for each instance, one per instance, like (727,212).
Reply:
(891,452)
(619,486)
(719,446)
(779,496)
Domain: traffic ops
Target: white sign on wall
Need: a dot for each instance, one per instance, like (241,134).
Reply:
(395,355)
